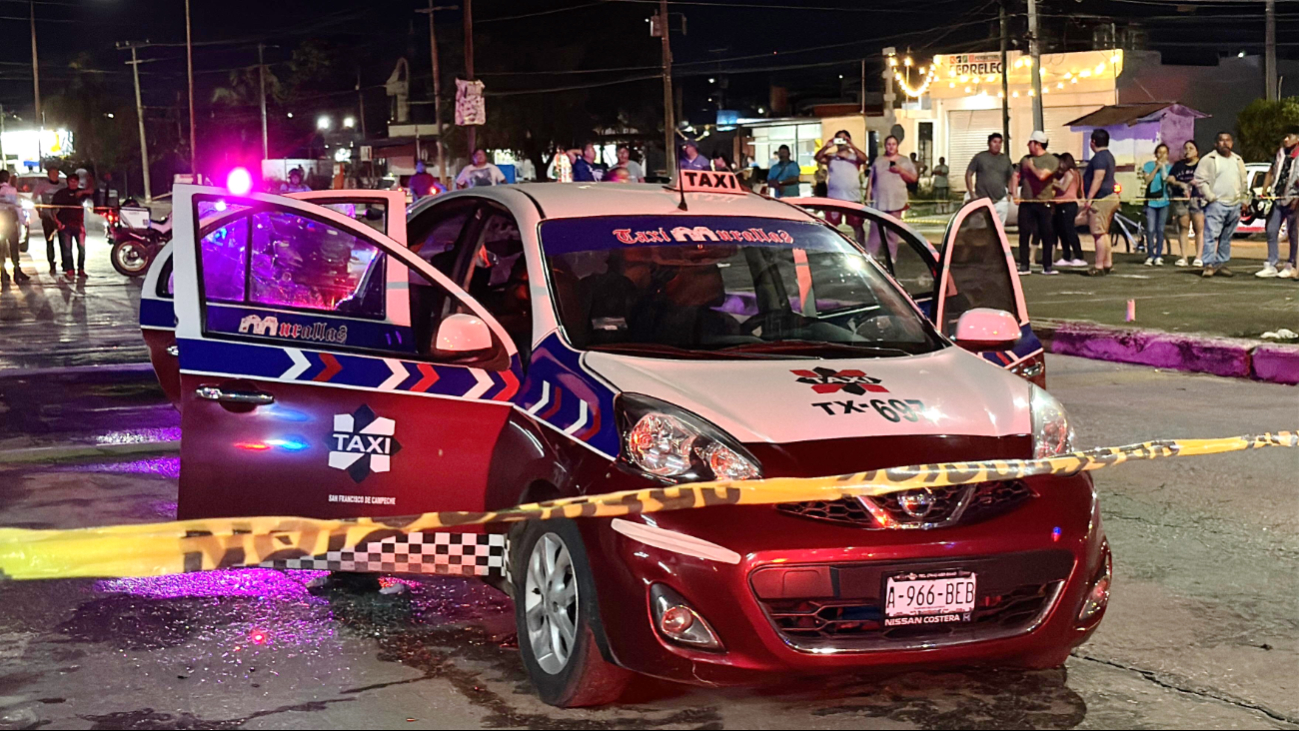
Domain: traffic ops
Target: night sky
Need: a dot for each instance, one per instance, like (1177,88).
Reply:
(754,43)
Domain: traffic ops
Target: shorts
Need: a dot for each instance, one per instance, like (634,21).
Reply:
(1102,214)
(1184,208)
(834,217)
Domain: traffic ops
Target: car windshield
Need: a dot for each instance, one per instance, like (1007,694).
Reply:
(716,287)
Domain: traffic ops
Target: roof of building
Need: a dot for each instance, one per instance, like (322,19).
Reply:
(1133,114)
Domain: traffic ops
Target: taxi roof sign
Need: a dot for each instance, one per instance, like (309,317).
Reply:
(707,181)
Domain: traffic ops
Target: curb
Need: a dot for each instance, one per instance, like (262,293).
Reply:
(1194,353)
(130,367)
(62,452)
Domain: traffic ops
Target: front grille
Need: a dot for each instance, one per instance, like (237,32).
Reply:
(838,607)
(951,505)
(814,623)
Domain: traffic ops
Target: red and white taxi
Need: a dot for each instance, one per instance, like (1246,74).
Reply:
(535,342)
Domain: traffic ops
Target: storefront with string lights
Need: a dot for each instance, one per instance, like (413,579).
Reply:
(951,103)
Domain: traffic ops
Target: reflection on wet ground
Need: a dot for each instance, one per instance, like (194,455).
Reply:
(222,642)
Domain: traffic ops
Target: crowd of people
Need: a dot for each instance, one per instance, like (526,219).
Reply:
(1206,195)
(61,212)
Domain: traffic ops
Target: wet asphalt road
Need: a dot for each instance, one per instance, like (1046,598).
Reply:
(1203,628)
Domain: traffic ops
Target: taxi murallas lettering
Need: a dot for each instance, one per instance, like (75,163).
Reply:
(270,325)
(699,234)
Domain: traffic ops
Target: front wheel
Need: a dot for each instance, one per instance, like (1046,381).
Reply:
(131,258)
(555,610)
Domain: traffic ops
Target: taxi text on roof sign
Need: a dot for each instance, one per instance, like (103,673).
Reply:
(707,181)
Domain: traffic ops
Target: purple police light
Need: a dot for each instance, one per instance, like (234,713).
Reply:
(239,181)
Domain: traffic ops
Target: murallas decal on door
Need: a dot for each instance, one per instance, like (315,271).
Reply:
(363,443)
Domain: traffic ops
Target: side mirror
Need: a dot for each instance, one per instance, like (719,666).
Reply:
(983,328)
(461,333)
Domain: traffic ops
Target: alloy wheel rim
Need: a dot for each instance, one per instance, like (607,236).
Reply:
(550,603)
(131,257)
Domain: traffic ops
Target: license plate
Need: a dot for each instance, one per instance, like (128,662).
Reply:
(931,598)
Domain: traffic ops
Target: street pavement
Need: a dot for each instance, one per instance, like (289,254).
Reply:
(1202,630)
(52,322)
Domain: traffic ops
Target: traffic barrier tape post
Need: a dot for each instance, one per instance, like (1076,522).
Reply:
(156,549)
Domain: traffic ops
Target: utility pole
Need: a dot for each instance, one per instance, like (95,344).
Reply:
(4,161)
(1005,83)
(669,114)
(863,89)
(1035,51)
(36,89)
(437,88)
(189,62)
(360,103)
(261,85)
(472,130)
(1269,52)
(134,63)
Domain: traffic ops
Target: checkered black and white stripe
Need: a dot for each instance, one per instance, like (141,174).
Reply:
(457,554)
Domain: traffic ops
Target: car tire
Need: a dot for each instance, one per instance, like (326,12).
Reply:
(568,669)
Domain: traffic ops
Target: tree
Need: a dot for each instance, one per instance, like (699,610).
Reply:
(103,134)
(1260,126)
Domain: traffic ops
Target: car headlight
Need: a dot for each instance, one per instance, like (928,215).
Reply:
(671,443)
(1052,434)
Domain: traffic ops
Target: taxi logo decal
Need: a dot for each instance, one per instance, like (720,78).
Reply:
(363,443)
(828,380)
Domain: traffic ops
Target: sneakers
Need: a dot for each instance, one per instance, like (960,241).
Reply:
(20,276)
(1150,262)
(1050,272)
(69,275)
(1062,263)
(1208,272)
(54,270)
(1078,263)
(1287,272)
(82,274)
(1182,262)
(1025,272)
(1198,262)
(1224,272)
(1267,272)
(1159,261)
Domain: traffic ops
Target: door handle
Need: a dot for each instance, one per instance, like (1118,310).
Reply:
(213,393)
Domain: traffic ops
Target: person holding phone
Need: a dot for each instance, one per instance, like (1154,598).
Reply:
(887,188)
(844,162)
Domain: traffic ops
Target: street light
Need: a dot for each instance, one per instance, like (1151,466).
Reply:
(349,122)
(323,122)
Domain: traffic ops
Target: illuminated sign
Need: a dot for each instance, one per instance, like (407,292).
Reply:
(707,181)
(973,64)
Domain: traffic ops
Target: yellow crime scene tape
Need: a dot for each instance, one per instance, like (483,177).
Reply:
(156,549)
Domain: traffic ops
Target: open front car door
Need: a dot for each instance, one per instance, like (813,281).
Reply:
(978,270)
(325,370)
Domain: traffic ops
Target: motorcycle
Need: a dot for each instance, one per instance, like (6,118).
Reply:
(137,238)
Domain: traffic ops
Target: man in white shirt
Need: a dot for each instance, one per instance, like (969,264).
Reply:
(1221,179)
(479,173)
(10,215)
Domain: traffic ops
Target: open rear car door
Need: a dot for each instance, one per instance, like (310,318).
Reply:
(382,210)
(326,370)
(977,269)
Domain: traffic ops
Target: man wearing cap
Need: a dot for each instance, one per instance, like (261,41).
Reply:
(691,159)
(1036,171)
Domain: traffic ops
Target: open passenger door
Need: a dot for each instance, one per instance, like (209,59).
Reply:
(382,210)
(325,370)
(977,269)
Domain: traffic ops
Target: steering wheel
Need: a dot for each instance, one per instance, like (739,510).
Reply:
(776,321)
